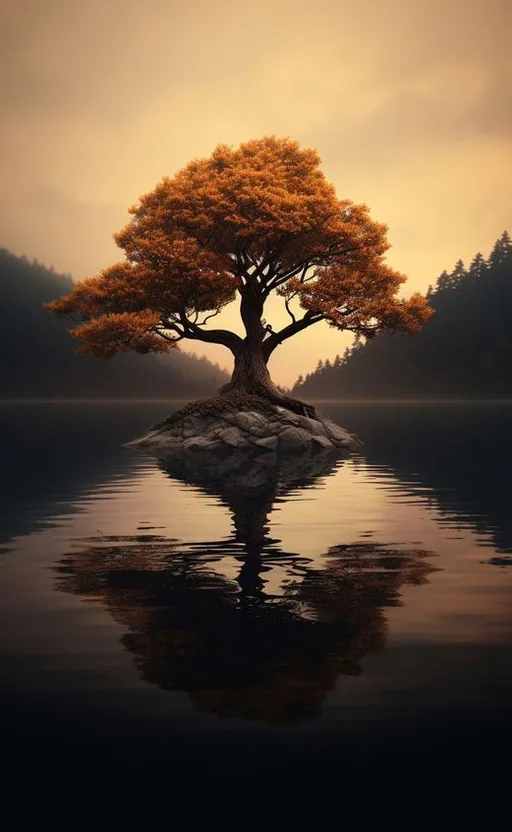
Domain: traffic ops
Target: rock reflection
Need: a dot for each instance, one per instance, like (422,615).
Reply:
(234,647)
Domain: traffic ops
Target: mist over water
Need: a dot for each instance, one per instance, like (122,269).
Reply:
(358,608)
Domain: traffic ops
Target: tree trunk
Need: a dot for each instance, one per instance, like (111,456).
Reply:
(251,376)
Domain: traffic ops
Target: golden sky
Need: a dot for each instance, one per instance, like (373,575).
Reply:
(408,102)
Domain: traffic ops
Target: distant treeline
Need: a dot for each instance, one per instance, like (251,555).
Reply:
(37,354)
(464,350)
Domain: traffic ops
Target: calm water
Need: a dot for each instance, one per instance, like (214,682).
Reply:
(358,614)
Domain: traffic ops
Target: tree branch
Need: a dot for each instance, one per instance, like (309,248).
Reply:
(168,325)
(304,268)
(287,306)
(279,279)
(158,331)
(216,336)
(213,336)
(211,315)
(296,326)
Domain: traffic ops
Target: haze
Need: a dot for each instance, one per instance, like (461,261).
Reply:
(407,101)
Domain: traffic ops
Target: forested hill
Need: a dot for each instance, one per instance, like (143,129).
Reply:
(37,354)
(464,350)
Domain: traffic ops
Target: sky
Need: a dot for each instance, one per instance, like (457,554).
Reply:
(407,101)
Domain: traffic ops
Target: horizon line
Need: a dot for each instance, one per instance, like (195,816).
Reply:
(36,400)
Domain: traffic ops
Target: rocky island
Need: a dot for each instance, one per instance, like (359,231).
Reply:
(232,423)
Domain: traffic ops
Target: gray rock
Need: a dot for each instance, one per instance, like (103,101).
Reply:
(190,428)
(232,433)
(232,436)
(228,418)
(263,431)
(198,443)
(250,422)
(338,435)
(294,439)
(269,443)
(289,417)
(321,442)
(316,428)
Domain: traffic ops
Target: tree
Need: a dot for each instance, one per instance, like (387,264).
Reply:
(443,281)
(478,267)
(242,223)
(449,281)
(458,273)
(501,251)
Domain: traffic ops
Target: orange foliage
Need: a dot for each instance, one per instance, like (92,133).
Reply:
(121,332)
(251,220)
(360,301)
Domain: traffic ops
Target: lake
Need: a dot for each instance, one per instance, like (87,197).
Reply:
(354,615)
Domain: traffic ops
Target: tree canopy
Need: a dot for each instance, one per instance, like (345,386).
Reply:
(244,222)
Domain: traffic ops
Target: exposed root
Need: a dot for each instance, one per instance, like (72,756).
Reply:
(239,400)
(273,396)
(289,403)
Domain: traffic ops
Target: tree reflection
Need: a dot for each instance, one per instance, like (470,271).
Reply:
(236,648)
